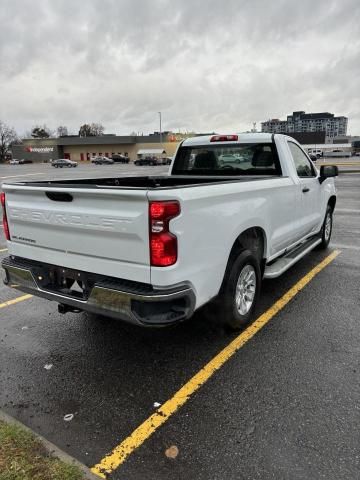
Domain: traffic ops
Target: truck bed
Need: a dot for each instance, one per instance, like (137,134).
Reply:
(146,182)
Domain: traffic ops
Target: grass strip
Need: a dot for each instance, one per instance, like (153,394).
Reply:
(24,457)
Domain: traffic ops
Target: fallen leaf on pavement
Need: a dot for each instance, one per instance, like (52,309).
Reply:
(172,452)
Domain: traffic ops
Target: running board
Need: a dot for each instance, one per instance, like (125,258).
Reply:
(289,259)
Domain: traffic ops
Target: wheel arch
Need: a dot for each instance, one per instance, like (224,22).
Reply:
(253,239)
(332,202)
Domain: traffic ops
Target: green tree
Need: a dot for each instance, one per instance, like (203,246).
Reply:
(41,132)
(85,130)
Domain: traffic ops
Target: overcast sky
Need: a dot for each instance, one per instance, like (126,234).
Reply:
(207,65)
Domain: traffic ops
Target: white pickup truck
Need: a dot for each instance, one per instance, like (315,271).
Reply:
(151,250)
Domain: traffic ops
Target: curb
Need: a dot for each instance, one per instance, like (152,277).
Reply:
(51,448)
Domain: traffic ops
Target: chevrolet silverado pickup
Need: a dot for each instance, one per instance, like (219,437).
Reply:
(151,250)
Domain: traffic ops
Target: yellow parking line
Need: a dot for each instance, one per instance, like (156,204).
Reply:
(15,300)
(339,164)
(3,250)
(120,453)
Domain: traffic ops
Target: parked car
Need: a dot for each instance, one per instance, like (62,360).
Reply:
(316,151)
(313,157)
(228,158)
(152,250)
(102,161)
(14,161)
(146,161)
(120,158)
(63,163)
(24,161)
(338,153)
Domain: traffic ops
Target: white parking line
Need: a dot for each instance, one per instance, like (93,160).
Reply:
(344,246)
(24,175)
(347,210)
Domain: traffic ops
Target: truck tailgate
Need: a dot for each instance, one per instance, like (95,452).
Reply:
(99,230)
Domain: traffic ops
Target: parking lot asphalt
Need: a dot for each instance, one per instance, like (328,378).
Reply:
(285,406)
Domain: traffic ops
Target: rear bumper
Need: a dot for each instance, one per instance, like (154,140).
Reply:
(133,302)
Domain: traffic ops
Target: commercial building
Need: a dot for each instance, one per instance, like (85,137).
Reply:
(301,122)
(82,149)
(347,139)
(304,138)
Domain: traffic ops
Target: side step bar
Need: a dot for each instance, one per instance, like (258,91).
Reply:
(289,259)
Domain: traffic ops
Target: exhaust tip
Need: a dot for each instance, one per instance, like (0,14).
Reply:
(62,308)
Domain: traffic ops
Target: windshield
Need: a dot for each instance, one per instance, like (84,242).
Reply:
(232,159)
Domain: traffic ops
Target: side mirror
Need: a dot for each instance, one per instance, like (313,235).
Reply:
(328,171)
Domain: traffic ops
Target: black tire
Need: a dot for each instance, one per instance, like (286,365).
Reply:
(326,230)
(244,264)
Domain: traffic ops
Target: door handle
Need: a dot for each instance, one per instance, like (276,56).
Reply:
(306,189)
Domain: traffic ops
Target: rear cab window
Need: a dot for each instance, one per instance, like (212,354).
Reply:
(230,159)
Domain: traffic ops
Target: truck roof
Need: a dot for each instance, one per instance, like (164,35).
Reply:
(242,138)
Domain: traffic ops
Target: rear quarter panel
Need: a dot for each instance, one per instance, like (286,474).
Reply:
(211,219)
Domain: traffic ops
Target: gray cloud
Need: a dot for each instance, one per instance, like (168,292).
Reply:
(207,65)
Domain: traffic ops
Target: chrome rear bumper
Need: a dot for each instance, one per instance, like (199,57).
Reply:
(135,303)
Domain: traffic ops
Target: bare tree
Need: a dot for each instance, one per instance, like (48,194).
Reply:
(41,132)
(97,129)
(8,136)
(62,131)
(91,130)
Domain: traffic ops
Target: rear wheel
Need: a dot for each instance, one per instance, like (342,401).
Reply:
(326,229)
(240,291)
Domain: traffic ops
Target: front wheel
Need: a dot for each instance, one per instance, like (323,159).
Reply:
(326,229)
(240,291)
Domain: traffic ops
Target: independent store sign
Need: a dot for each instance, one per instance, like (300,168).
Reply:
(40,149)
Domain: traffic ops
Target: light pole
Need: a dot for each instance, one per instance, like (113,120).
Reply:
(160,130)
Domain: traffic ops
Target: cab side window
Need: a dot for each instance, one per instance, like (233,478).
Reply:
(302,163)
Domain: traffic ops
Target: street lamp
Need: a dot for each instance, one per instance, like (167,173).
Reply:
(160,129)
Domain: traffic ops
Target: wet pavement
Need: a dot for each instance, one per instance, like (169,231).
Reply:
(287,405)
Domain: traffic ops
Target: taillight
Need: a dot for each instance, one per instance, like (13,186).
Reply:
(163,243)
(5,222)
(224,138)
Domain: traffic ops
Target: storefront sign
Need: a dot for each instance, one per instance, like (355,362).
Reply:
(178,137)
(39,149)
